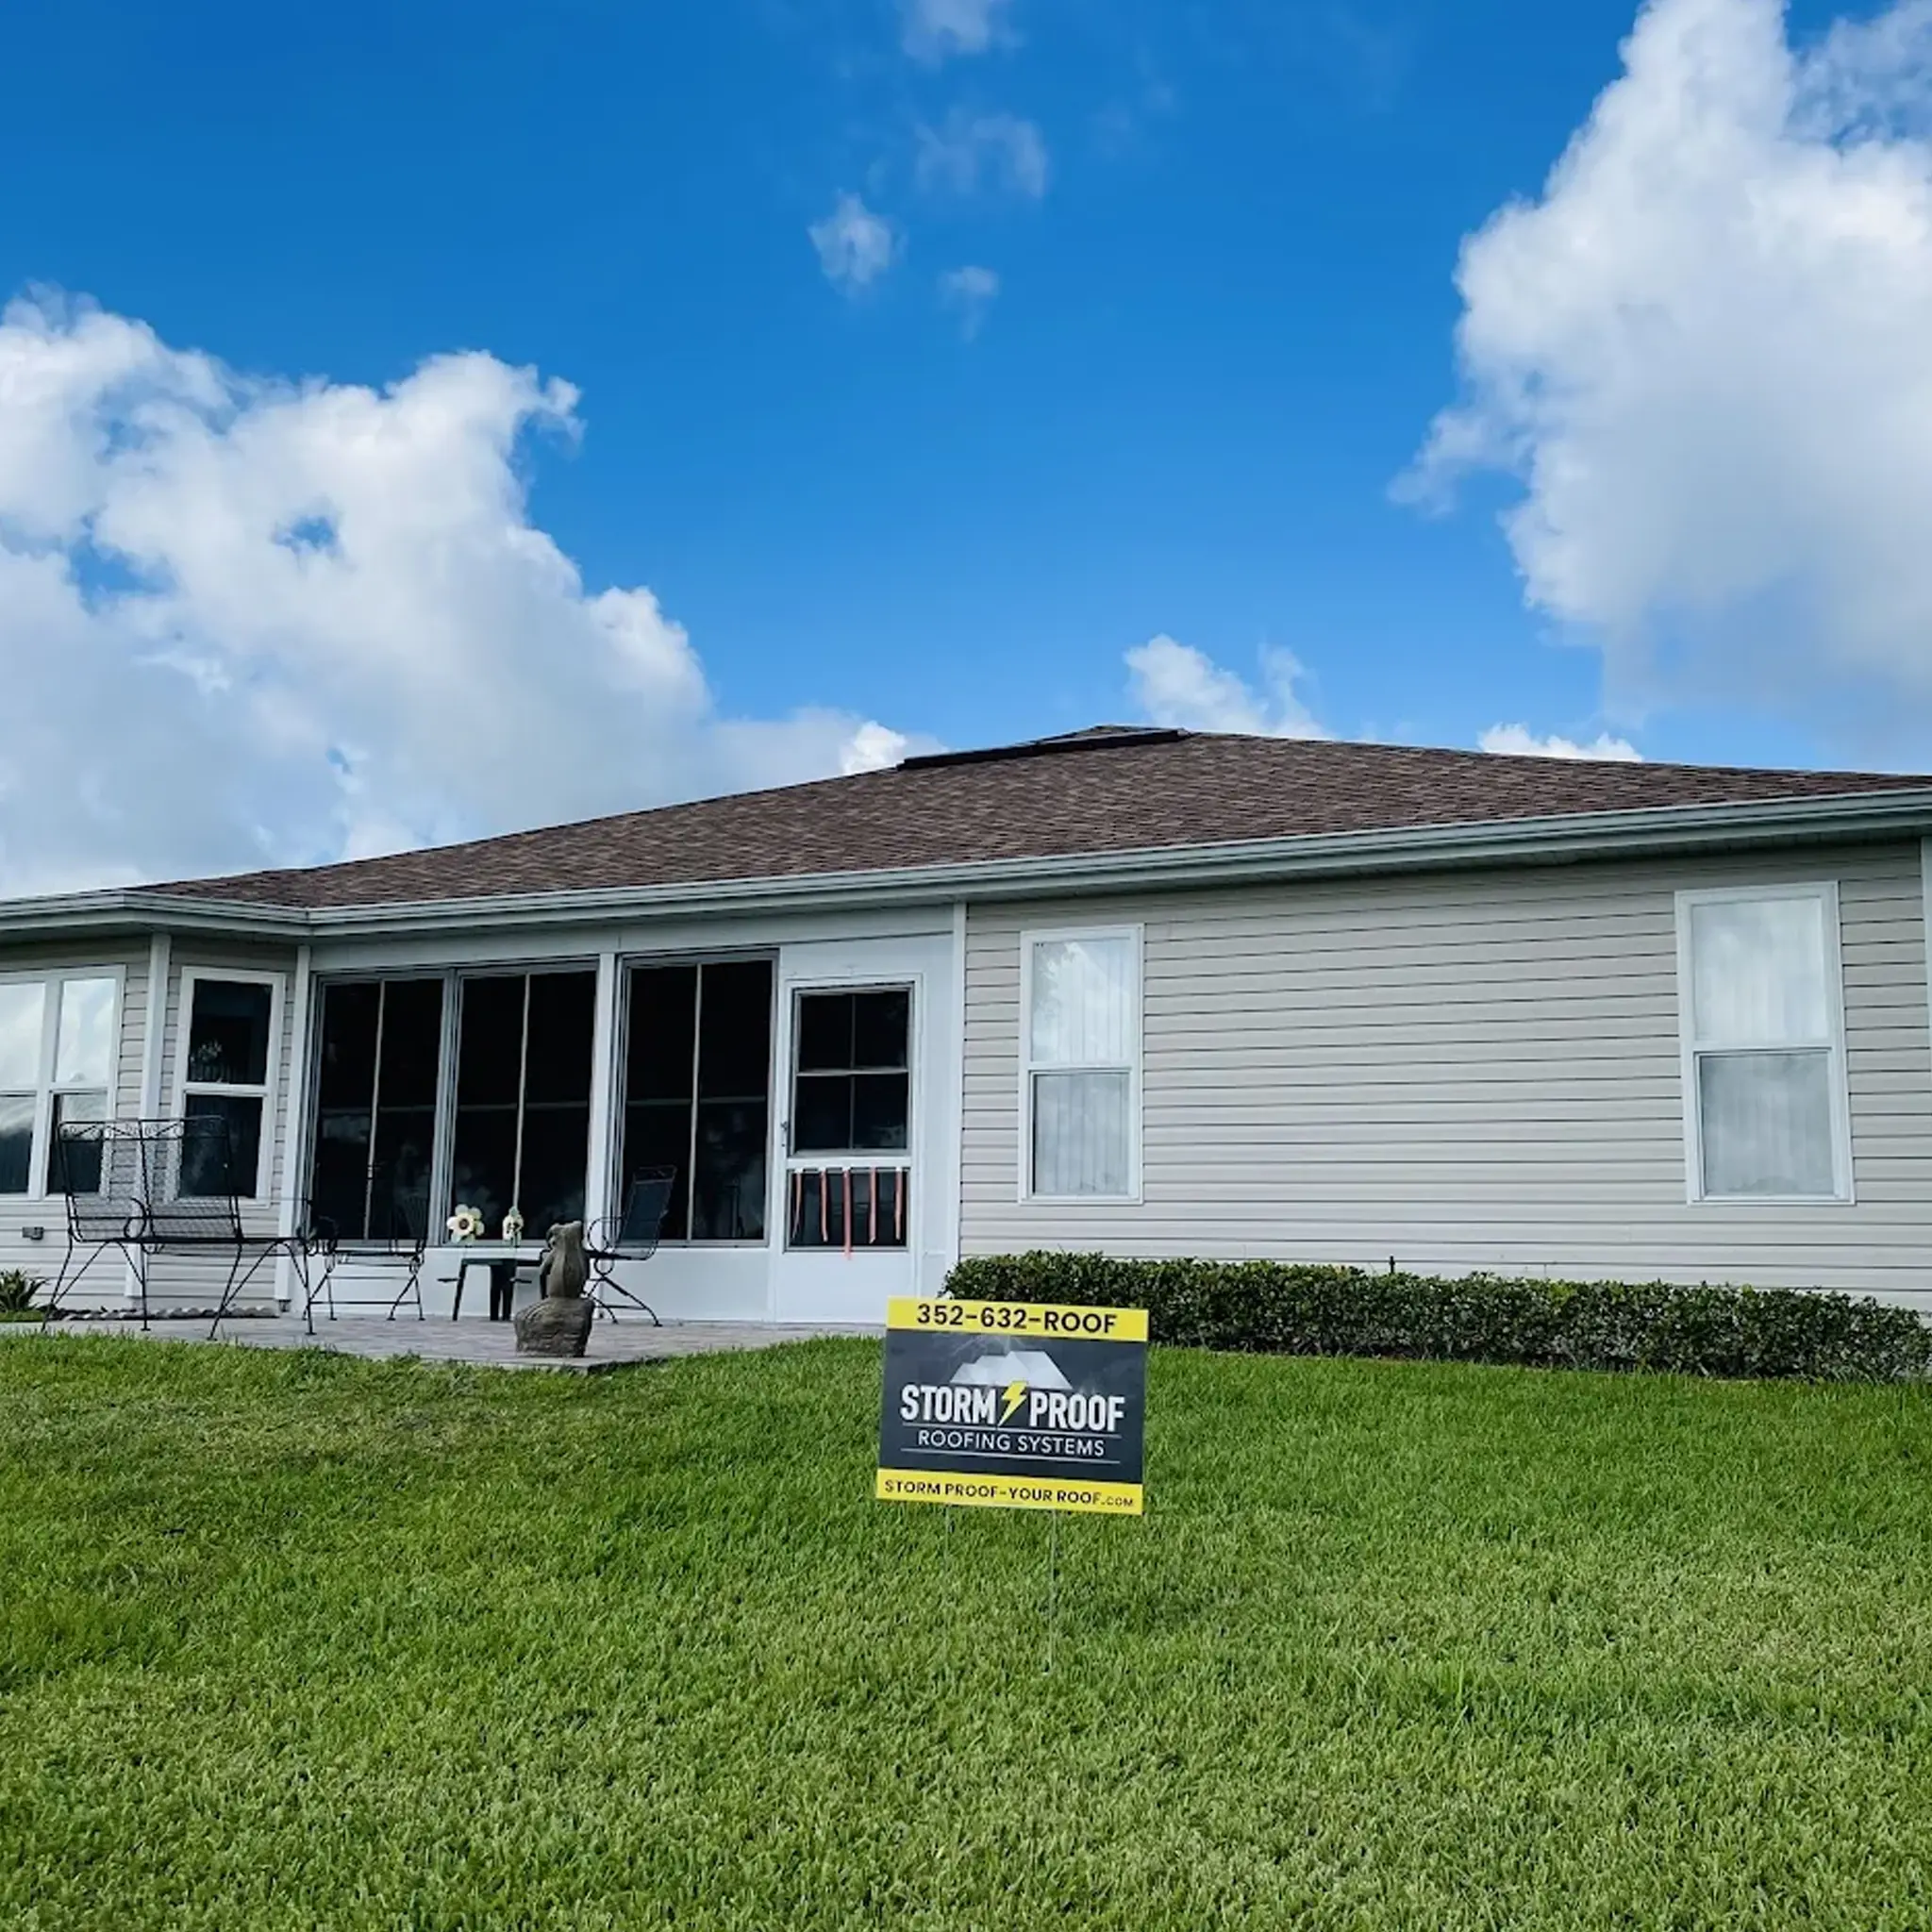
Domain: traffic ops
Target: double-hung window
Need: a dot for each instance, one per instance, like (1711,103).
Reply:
(1080,1065)
(57,1068)
(1762,1013)
(225,1078)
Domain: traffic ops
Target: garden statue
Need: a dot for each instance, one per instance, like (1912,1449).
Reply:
(559,1322)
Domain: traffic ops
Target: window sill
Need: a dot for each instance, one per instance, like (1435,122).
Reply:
(1771,1201)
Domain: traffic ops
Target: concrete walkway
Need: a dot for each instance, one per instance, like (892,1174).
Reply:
(484,1344)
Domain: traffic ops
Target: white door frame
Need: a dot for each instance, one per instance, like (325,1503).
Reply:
(820,1284)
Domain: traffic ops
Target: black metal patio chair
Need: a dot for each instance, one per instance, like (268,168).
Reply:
(402,1214)
(629,1237)
(141,1189)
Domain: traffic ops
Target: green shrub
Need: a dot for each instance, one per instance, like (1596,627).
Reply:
(1284,1308)
(17,1292)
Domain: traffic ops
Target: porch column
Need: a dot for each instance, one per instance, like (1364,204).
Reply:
(153,1043)
(600,1183)
(296,1106)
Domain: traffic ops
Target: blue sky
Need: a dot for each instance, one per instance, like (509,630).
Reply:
(1224,238)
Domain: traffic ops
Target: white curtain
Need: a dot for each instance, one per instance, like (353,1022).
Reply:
(1082,1002)
(1080,1033)
(1080,1140)
(1767,1122)
(1758,972)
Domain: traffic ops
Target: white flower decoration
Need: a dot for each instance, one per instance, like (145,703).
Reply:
(466,1224)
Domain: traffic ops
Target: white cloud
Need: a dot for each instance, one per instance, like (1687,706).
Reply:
(1517,741)
(873,748)
(969,292)
(251,622)
(855,246)
(1706,353)
(1176,684)
(1000,148)
(932,30)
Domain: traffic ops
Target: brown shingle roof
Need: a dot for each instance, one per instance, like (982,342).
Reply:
(1102,791)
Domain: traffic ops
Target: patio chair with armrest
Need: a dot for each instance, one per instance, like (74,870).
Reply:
(629,1237)
(147,1187)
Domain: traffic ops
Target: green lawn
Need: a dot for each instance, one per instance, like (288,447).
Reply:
(297,1641)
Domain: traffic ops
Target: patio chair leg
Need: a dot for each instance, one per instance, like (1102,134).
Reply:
(607,1286)
(66,1276)
(411,1287)
(228,1295)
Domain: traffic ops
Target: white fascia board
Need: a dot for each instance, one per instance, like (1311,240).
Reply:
(1549,841)
(134,910)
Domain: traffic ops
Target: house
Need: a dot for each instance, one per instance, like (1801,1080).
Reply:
(1148,991)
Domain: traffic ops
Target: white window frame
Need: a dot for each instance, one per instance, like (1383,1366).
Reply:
(1824,891)
(1037,936)
(51,979)
(192,977)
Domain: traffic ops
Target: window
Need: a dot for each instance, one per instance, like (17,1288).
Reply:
(521,1133)
(854,1092)
(1763,1039)
(1080,1078)
(697,1092)
(379,1062)
(232,1022)
(56,1067)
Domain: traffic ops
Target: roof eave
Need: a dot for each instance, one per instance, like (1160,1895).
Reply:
(1552,839)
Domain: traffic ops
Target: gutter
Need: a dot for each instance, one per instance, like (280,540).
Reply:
(1557,840)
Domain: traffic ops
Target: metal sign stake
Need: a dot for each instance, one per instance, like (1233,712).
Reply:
(1053,1580)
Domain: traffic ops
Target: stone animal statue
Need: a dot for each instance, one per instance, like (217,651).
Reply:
(564,1268)
(560,1324)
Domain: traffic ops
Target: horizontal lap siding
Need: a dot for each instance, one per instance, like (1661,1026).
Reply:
(1462,1071)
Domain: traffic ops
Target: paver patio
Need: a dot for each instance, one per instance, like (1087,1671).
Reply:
(483,1345)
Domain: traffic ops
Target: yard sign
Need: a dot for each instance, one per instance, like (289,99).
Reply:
(1013,1405)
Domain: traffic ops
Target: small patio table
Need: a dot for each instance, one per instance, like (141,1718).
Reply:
(502,1259)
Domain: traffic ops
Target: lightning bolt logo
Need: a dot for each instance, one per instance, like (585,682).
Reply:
(1015,1393)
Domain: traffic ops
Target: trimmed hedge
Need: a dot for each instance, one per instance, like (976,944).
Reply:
(1275,1307)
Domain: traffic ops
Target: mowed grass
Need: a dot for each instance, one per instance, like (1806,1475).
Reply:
(298,1642)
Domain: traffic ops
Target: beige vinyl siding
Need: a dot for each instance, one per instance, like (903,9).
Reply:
(1462,1071)
(128,957)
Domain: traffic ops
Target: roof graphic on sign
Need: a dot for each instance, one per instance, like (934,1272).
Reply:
(1032,1366)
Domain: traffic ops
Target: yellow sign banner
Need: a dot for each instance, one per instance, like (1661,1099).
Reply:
(1008,1492)
(1041,1319)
